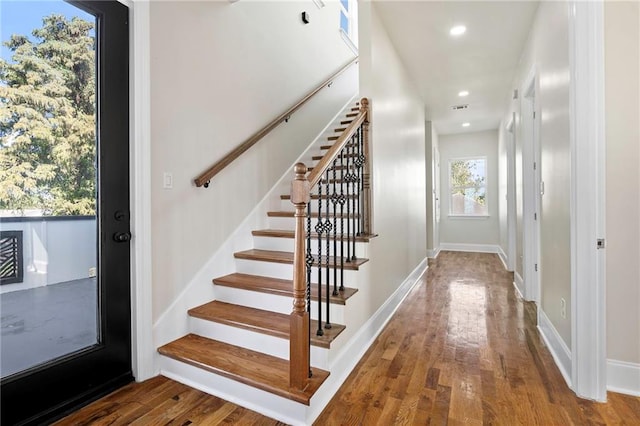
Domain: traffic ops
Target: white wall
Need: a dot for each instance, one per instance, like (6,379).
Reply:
(622,133)
(470,230)
(219,72)
(398,171)
(548,50)
(55,250)
(433,196)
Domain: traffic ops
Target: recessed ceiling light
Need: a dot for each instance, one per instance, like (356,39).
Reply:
(458,30)
(463,93)
(466,124)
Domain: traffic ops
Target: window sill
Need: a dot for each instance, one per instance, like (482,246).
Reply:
(468,216)
(350,44)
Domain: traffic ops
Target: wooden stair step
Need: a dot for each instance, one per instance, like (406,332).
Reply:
(333,138)
(287,258)
(319,157)
(313,214)
(277,286)
(340,129)
(286,233)
(261,321)
(353,114)
(325,147)
(252,368)
(337,168)
(346,122)
(356,108)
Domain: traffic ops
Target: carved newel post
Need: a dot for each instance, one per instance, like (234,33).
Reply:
(299,342)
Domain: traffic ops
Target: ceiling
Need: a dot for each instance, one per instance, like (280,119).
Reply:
(482,61)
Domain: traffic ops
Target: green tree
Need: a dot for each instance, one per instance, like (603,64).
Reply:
(47,119)
(465,175)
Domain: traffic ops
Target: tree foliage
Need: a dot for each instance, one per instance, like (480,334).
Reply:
(47,119)
(464,176)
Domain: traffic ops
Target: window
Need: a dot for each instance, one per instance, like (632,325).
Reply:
(349,23)
(468,187)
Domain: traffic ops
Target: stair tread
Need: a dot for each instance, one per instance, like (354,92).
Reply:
(276,286)
(289,233)
(286,213)
(316,196)
(287,257)
(252,368)
(260,321)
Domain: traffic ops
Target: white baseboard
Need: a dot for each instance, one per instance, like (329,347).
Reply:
(503,258)
(623,377)
(432,254)
(518,283)
(358,345)
(475,248)
(559,350)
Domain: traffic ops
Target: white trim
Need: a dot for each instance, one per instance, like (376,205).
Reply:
(623,377)
(558,348)
(588,301)
(433,254)
(468,216)
(531,240)
(350,44)
(515,286)
(511,194)
(474,248)
(143,350)
(518,283)
(503,258)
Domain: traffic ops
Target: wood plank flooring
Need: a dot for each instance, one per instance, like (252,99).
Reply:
(462,349)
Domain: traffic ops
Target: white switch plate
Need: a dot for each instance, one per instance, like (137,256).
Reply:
(167,180)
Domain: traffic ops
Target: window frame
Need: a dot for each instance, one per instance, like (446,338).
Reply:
(486,214)
(350,37)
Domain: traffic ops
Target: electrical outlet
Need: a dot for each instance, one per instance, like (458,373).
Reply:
(167,180)
(563,308)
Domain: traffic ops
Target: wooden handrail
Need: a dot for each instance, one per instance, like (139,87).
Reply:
(204,178)
(332,153)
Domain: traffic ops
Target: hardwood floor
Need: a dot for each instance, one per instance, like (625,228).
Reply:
(461,349)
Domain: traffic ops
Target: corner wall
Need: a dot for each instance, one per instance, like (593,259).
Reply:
(398,170)
(622,136)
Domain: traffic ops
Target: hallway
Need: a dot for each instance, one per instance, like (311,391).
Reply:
(461,349)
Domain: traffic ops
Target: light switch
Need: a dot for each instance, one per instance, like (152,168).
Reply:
(167,180)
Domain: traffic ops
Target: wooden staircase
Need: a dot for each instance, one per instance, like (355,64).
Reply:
(261,369)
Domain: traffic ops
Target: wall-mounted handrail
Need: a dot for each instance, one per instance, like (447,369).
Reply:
(204,178)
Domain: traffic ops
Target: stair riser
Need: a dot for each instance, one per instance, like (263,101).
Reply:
(275,303)
(270,345)
(268,404)
(286,244)
(285,271)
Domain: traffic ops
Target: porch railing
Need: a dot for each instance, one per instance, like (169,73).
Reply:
(342,185)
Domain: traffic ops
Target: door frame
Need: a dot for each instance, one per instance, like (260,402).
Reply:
(511,192)
(531,188)
(587,204)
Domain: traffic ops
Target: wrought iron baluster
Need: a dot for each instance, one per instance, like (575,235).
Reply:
(347,177)
(353,183)
(334,201)
(341,200)
(309,263)
(319,228)
(327,229)
(359,164)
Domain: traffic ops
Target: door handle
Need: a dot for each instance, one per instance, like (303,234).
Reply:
(122,237)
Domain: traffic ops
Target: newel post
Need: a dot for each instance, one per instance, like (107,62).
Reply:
(367,213)
(299,368)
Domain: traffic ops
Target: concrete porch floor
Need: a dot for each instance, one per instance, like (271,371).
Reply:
(44,323)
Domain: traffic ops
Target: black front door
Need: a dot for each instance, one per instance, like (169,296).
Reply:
(64,149)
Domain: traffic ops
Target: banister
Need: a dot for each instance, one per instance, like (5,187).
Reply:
(204,178)
(326,161)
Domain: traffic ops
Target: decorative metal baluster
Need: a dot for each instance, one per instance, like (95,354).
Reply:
(327,228)
(359,163)
(353,183)
(319,228)
(347,177)
(334,201)
(309,264)
(341,200)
